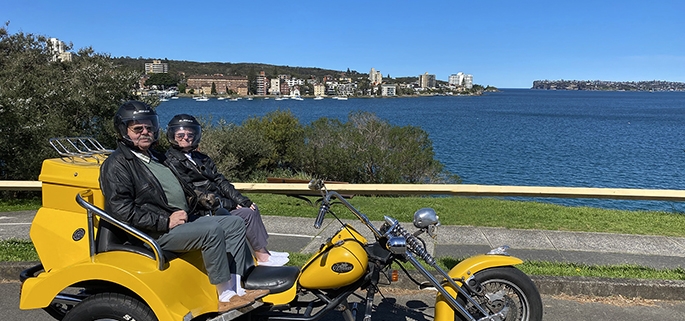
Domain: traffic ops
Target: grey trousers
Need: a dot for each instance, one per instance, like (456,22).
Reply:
(256,231)
(221,239)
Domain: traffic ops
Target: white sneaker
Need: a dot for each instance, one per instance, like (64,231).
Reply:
(283,254)
(275,261)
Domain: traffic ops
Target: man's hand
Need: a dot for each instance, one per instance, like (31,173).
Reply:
(177,218)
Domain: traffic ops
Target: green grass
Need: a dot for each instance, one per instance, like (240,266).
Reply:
(17,251)
(488,212)
(491,212)
(19,204)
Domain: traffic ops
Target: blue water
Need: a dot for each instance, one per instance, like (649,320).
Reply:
(520,136)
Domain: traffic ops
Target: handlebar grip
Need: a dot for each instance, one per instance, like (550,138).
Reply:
(319,218)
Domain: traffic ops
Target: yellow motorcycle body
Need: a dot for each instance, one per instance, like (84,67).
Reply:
(339,262)
(63,240)
(176,287)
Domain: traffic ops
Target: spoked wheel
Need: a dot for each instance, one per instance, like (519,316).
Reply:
(110,307)
(506,289)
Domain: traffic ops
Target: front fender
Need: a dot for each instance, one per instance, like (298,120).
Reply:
(464,270)
(476,263)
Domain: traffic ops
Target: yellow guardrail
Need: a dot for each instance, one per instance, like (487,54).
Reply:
(435,189)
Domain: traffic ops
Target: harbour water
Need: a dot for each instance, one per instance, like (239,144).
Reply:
(520,136)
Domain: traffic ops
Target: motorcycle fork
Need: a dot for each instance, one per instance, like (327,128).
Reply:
(450,300)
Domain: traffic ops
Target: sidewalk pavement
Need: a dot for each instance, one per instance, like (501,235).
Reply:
(296,234)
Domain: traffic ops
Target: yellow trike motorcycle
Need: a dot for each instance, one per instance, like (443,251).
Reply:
(94,267)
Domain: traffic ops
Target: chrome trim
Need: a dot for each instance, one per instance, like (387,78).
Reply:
(156,249)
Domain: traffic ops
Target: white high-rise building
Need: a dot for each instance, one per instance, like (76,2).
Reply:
(58,50)
(468,81)
(456,79)
(375,77)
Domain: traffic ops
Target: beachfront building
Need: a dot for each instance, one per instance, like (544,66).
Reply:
(156,67)
(223,84)
(262,84)
(388,90)
(319,90)
(456,79)
(275,88)
(375,77)
(468,81)
(285,89)
(427,81)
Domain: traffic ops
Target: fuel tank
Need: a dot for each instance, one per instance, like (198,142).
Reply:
(341,261)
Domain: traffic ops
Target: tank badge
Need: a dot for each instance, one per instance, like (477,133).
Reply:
(78,234)
(342,267)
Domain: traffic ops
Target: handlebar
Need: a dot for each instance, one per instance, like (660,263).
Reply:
(319,185)
(322,212)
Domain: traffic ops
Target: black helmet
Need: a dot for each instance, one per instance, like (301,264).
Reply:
(184,122)
(134,111)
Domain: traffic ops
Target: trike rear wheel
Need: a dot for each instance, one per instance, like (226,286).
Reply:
(110,306)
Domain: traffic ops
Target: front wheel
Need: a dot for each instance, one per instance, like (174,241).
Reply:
(505,287)
(110,306)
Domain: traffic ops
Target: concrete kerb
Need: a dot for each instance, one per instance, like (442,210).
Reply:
(547,285)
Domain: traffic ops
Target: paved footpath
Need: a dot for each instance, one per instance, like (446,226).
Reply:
(295,234)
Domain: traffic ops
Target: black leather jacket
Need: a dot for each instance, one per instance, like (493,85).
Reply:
(133,194)
(205,178)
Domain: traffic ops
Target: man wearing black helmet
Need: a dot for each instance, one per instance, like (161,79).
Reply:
(198,170)
(140,191)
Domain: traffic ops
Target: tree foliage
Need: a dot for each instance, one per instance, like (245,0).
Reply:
(41,98)
(161,80)
(365,149)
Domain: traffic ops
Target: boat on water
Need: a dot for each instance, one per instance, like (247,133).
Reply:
(342,98)
(174,97)
(203,98)
(233,99)
(318,98)
(249,98)
(296,98)
(221,98)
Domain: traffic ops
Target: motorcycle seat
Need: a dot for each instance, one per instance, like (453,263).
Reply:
(111,238)
(276,279)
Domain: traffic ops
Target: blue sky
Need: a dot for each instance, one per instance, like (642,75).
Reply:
(507,44)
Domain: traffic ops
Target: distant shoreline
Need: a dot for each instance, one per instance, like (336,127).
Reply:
(602,85)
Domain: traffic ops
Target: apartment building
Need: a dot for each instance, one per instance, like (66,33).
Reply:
(388,90)
(375,77)
(156,67)
(57,47)
(427,81)
(223,84)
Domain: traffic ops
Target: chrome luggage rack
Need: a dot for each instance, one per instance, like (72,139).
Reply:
(73,149)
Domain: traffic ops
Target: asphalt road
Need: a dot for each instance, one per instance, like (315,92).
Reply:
(401,304)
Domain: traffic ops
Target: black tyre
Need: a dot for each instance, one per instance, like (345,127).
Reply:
(505,287)
(110,306)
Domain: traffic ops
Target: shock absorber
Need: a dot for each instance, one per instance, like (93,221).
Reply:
(414,245)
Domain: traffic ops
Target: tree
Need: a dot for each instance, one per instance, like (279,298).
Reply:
(161,80)
(213,90)
(41,98)
(367,149)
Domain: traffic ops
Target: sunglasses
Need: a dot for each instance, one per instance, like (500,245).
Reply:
(139,129)
(182,135)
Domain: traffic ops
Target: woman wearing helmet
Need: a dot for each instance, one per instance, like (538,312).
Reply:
(218,196)
(140,191)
